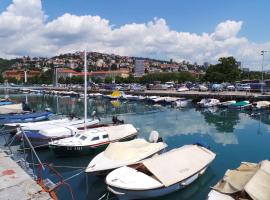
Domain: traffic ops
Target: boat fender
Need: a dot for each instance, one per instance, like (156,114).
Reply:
(203,144)
(154,136)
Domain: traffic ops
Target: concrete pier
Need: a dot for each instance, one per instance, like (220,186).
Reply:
(16,184)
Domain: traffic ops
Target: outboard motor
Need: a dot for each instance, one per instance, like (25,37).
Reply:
(26,107)
(115,120)
(71,116)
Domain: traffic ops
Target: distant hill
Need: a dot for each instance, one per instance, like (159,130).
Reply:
(6,64)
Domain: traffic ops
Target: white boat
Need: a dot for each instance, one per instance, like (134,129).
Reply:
(205,103)
(170,100)
(161,174)
(151,98)
(248,181)
(11,108)
(54,121)
(130,97)
(182,103)
(40,135)
(120,154)
(95,95)
(86,141)
(182,89)
(159,100)
(262,104)
(227,103)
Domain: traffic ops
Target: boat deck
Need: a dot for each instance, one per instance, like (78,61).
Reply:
(16,184)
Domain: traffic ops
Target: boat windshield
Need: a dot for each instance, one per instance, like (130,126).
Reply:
(78,135)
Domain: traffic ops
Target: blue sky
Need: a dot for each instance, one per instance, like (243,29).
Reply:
(195,30)
(182,15)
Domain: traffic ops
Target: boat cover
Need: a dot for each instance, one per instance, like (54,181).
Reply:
(249,177)
(116,93)
(12,108)
(262,104)
(179,164)
(132,150)
(120,131)
(241,103)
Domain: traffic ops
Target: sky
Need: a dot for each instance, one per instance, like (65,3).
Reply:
(194,30)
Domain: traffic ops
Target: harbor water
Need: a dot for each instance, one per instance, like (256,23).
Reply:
(235,136)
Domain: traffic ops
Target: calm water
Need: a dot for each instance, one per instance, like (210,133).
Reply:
(234,136)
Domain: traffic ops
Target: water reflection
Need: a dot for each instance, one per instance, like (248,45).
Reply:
(223,119)
(234,135)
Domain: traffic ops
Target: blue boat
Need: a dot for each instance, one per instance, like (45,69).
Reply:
(2,103)
(25,117)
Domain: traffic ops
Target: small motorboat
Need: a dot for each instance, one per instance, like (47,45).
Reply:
(249,181)
(11,108)
(182,103)
(87,141)
(42,134)
(225,104)
(130,97)
(66,121)
(25,117)
(159,100)
(241,105)
(206,103)
(161,174)
(120,154)
(170,100)
(151,98)
(259,105)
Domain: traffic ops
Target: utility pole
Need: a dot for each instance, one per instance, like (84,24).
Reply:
(262,53)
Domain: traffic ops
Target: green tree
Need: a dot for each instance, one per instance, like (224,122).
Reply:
(114,67)
(61,80)
(68,80)
(108,79)
(227,70)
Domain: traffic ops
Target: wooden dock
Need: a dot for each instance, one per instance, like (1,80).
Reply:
(16,184)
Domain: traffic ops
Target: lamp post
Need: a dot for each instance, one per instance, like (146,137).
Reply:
(262,53)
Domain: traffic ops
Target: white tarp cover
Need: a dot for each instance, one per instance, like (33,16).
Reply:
(262,104)
(132,150)
(120,131)
(249,177)
(179,164)
(12,108)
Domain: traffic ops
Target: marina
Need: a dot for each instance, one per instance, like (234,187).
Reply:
(234,135)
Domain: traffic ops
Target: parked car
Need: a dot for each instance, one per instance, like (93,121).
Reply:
(231,87)
(243,87)
(203,88)
(217,87)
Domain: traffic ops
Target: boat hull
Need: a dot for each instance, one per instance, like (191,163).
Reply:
(27,117)
(125,194)
(84,150)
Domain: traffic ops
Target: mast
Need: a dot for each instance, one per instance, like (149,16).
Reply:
(85,89)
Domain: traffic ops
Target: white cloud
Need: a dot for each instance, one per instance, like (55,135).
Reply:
(24,30)
(227,29)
